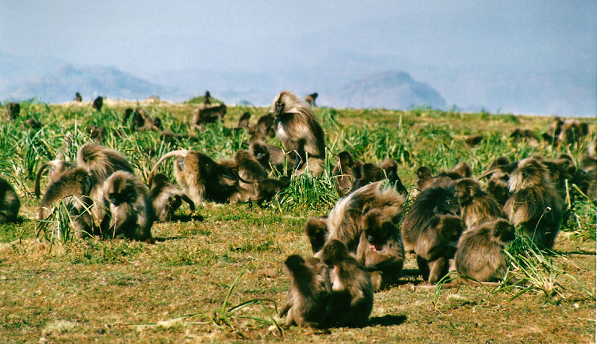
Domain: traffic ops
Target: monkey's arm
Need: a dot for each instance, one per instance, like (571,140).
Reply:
(189,201)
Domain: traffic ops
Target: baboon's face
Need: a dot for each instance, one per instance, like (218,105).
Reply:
(529,173)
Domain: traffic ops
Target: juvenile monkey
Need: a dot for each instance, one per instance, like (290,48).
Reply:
(310,99)
(316,230)
(101,161)
(243,122)
(310,293)
(352,291)
(271,157)
(480,251)
(390,169)
(98,103)
(345,173)
(299,131)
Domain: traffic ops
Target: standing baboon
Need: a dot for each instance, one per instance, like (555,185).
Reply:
(436,245)
(299,131)
(535,204)
(9,202)
(166,198)
(479,251)
(98,103)
(476,205)
(310,99)
(78,97)
(352,291)
(310,292)
(380,249)
(207,98)
(207,114)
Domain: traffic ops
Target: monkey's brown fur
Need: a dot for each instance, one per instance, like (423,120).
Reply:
(352,291)
(479,253)
(534,204)
(299,131)
(264,128)
(476,205)
(310,292)
(380,249)
(369,173)
(166,198)
(344,173)
(58,167)
(497,186)
(390,169)
(98,103)
(316,230)
(101,161)
(207,114)
(271,157)
(436,245)
(430,202)
(243,121)
(9,202)
(12,111)
(310,99)
(573,131)
(129,211)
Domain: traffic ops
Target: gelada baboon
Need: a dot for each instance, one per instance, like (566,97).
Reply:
(310,292)
(207,114)
(369,173)
(479,253)
(476,205)
(250,172)
(352,291)
(526,135)
(57,168)
(473,140)
(380,249)
(166,198)
(201,178)
(207,98)
(497,186)
(98,103)
(390,169)
(535,204)
(310,99)
(425,179)
(573,131)
(12,111)
(9,202)
(243,121)
(264,128)
(436,245)
(430,202)
(316,230)
(97,134)
(101,161)
(345,173)
(129,212)
(78,97)
(299,131)
(345,220)
(271,157)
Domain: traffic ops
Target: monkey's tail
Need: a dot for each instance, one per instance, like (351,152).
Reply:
(36,188)
(179,153)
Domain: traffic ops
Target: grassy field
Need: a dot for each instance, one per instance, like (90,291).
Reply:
(179,289)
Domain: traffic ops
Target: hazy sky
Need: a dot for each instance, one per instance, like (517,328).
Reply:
(139,36)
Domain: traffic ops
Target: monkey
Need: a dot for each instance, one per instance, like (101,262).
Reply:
(316,230)
(369,173)
(473,140)
(559,170)
(476,205)
(268,188)
(344,173)
(207,98)
(299,131)
(78,97)
(310,99)
(166,198)
(205,115)
(345,220)
(479,253)
(74,185)
(352,291)
(497,186)
(310,293)
(432,201)
(588,161)
(201,178)
(57,168)
(436,245)
(425,179)
(525,135)
(13,110)
(463,169)
(97,134)
(271,157)
(390,169)
(380,249)
(249,169)
(555,128)
(101,161)
(98,103)
(9,202)
(572,131)
(129,212)
(243,122)
(502,165)
(534,204)
(264,128)
(31,123)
